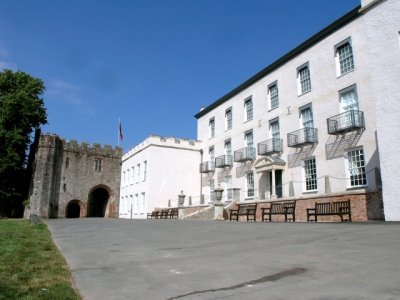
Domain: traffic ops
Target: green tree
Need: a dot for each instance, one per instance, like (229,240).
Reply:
(21,111)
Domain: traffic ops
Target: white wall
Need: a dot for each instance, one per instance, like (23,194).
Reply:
(324,97)
(382,27)
(172,166)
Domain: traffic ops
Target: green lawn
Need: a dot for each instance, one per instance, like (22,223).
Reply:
(31,267)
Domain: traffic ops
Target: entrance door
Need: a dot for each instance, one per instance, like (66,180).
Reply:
(98,200)
(278,183)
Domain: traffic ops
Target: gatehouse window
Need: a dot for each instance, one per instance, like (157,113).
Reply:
(98,162)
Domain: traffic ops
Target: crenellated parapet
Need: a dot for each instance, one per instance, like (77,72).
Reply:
(54,141)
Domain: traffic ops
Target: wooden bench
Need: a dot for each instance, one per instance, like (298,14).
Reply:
(288,209)
(339,208)
(153,215)
(248,210)
(173,213)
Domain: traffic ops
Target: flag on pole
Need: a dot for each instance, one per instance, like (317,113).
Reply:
(121,136)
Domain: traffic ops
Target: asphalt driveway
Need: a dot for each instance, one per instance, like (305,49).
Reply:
(172,259)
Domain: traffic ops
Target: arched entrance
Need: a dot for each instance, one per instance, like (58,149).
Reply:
(97,204)
(73,209)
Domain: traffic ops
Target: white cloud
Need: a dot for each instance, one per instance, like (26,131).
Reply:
(5,63)
(59,90)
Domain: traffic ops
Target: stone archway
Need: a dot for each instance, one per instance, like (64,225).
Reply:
(98,200)
(73,209)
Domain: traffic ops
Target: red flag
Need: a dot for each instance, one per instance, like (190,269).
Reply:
(121,136)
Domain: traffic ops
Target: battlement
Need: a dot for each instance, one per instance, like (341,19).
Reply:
(54,141)
(158,140)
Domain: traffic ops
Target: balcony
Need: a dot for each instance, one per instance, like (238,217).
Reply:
(345,122)
(270,147)
(207,167)
(245,154)
(302,137)
(223,161)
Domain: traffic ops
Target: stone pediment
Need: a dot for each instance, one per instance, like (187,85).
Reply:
(269,163)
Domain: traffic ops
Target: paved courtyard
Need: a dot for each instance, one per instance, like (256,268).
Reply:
(171,259)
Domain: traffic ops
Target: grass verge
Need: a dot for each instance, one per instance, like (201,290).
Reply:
(31,267)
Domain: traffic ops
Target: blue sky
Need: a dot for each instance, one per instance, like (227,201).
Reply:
(154,64)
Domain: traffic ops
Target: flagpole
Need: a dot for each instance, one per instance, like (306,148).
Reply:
(119,124)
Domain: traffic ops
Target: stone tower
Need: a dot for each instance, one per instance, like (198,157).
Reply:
(74,180)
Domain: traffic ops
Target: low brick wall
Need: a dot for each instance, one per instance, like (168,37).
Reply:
(364,206)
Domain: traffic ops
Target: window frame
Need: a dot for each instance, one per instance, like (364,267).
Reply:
(211,128)
(300,91)
(313,177)
(248,113)
(348,171)
(270,86)
(337,57)
(227,123)
(252,189)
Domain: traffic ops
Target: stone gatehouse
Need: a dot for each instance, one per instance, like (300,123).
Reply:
(73,180)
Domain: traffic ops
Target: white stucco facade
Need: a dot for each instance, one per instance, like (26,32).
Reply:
(337,160)
(382,29)
(156,171)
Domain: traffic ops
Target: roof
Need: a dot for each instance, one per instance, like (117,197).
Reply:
(347,18)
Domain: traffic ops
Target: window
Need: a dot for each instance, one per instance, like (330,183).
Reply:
(356,168)
(228,119)
(274,133)
(211,153)
(144,170)
(98,164)
(228,147)
(344,57)
(128,176)
(228,151)
(348,99)
(137,172)
(250,184)
(136,204)
(310,174)
(211,127)
(124,178)
(248,110)
(274,129)
(306,117)
(228,186)
(67,162)
(133,175)
(212,190)
(248,139)
(303,79)
(273,97)
(143,203)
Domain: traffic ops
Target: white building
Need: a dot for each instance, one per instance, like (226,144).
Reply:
(154,173)
(306,125)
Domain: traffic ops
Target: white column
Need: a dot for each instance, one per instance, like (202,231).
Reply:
(273,195)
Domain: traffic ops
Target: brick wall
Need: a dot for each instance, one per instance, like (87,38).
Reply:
(364,206)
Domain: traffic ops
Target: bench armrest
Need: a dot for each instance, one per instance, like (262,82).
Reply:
(310,210)
(265,209)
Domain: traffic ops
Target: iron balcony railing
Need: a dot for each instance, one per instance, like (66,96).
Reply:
(269,147)
(245,154)
(207,167)
(345,122)
(302,137)
(223,161)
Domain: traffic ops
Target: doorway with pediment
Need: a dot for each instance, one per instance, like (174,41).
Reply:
(270,171)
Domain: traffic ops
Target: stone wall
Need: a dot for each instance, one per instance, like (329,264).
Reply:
(67,172)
